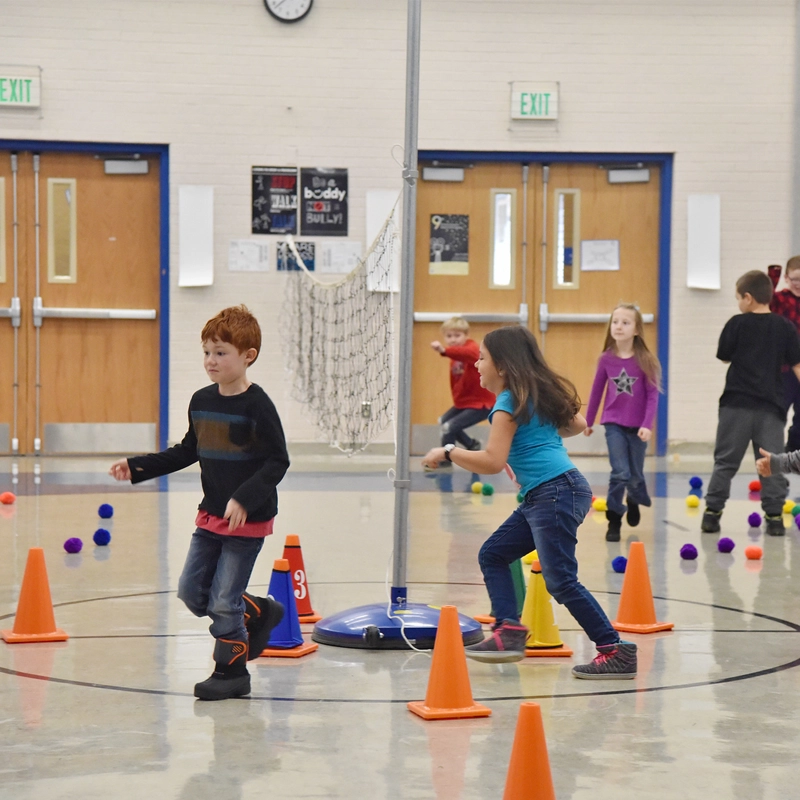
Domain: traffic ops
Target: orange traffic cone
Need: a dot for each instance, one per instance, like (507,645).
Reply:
(529,771)
(34,621)
(294,555)
(636,612)
(537,616)
(449,694)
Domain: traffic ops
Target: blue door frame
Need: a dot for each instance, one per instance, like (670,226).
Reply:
(162,151)
(661,160)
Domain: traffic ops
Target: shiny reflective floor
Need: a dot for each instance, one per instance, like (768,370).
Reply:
(714,712)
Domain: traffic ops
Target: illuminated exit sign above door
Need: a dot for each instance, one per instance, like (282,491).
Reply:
(20,87)
(534,100)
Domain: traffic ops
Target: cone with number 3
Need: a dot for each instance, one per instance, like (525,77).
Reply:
(294,555)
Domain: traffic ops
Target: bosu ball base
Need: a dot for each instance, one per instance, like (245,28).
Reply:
(370,628)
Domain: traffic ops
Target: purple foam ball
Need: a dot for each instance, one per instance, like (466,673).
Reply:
(619,564)
(689,552)
(695,482)
(106,511)
(754,520)
(73,545)
(101,537)
(797,520)
(725,545)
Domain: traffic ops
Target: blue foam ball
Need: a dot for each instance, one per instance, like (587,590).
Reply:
(101,537)
(725,545)
(619,564)
(689,552)
(106,511)
(695,482)
(73,545)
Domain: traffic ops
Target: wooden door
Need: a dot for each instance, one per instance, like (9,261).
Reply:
(86,384)
(623,215)
(472,292)
(596,215)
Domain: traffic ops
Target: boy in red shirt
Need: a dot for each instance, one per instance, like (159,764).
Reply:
(471,402)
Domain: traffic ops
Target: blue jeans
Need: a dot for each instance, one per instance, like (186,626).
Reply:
(626,453)
(214,578)
(454,420)
(548,521)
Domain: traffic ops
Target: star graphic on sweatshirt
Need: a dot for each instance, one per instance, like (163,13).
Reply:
(624,382)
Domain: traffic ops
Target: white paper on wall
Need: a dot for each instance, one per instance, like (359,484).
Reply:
(248,256)
(703,245)
(195,235)
(339,257)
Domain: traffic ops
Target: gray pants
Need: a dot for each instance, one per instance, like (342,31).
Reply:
(737,428)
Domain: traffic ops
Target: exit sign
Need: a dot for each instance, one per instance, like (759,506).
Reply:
(534,100)
(18,90)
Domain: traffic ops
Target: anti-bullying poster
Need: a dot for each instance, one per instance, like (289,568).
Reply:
(323,202)
(274,200)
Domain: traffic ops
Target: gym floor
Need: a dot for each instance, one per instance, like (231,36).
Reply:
(714,711)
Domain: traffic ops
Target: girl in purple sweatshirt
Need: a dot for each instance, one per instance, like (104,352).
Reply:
(633,377)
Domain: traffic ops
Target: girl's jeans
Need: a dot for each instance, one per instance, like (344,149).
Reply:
(626,453)
(214,578)
(547,520)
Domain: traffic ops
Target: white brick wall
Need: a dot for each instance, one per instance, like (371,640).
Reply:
(227,87)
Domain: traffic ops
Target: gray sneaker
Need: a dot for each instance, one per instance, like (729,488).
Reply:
(507,643)
(613,662)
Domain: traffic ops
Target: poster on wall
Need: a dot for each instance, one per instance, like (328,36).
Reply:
(247,256)
(323,203)
(449,249)
(288,263)
(274,200)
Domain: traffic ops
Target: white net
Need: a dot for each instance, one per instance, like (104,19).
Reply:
(338,344)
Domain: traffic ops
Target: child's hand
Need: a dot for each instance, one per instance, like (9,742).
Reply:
(437,346)
(763,467)
(236,514)
(433,457)
(588,431)
(120,471)
(644,434)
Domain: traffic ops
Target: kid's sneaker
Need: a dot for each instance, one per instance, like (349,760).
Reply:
(613,534)
(507,643)
(613,662)
(633,515)
(775,525)
(710,523)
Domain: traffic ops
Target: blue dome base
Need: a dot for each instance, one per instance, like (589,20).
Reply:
(370,628)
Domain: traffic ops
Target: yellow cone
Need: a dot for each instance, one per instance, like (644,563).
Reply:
(544,638)
(532,555)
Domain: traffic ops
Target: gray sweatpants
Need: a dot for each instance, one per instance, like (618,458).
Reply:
(737,428)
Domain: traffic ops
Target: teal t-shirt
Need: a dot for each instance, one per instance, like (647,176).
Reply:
(537,452)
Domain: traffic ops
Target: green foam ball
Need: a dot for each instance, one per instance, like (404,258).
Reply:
(487,489)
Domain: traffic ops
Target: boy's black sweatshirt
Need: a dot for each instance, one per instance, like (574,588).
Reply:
(239,442)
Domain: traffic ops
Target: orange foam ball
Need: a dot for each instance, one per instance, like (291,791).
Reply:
(7,498)
(753,552)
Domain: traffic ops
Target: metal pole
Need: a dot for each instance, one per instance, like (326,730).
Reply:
(543,302)
(410,174)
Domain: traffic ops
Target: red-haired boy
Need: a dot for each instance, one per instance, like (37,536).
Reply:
(236,435)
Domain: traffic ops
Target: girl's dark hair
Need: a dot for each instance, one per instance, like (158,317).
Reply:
(533,385)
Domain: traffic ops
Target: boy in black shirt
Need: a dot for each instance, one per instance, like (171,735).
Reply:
(757,344)
(236,434)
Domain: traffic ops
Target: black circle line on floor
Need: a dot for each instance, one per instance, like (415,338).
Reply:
(564,695)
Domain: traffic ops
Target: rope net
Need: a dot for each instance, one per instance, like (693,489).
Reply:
(338,344)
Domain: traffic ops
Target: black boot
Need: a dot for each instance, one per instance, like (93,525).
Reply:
(614,526)
(230,677)
(633,516)
(261,615)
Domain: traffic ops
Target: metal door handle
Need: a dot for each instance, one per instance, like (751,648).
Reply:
(40,312)
(13,312)
(443,316)
(545,318)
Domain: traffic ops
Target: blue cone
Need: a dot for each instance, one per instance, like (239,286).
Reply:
(286,633)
